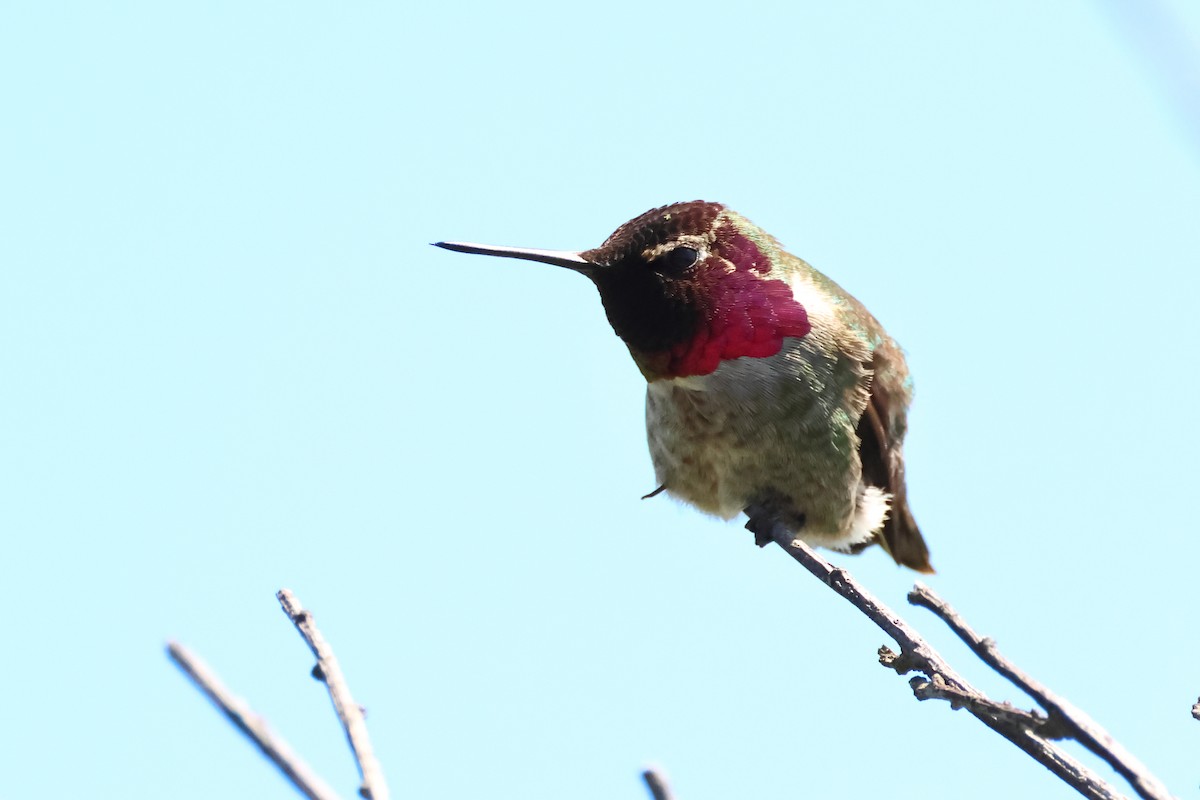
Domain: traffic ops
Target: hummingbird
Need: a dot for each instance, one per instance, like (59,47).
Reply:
(770,390)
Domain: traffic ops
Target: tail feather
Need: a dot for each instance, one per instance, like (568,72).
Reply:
(902,539)
(883,466)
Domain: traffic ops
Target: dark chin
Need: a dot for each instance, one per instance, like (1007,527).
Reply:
(642,311)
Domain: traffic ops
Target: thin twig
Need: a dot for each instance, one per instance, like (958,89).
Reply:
(937,689)
(349,713)
(917,655)
(1081,727)
(657,784)
(255,728)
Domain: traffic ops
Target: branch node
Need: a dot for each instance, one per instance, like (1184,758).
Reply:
(837,576)
(888,657)
(903,662)
(920,687)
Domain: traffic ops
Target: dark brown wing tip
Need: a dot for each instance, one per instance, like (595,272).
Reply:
(911,554)
(904,543)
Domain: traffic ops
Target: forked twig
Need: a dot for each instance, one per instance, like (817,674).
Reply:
(1076,724)
(917,655)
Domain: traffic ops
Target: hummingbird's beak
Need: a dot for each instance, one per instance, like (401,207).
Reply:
(559,258)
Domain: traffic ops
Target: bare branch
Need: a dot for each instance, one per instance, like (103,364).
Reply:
(1079,725)
(349,713)
(1007,713)
(657,784)
(255,728)
(917,655)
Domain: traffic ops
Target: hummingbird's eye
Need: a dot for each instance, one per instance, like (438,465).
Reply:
(679,259)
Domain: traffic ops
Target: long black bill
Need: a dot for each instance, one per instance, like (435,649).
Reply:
(559,258)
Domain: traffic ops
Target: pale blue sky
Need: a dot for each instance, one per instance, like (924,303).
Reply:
(233,363)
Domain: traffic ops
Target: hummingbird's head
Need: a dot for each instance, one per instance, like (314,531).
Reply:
(686,286)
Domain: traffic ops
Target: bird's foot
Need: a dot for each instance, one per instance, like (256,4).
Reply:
(655,493)
(761,538)
(762,521)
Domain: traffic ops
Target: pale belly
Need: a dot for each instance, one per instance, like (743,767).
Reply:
(752,435)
